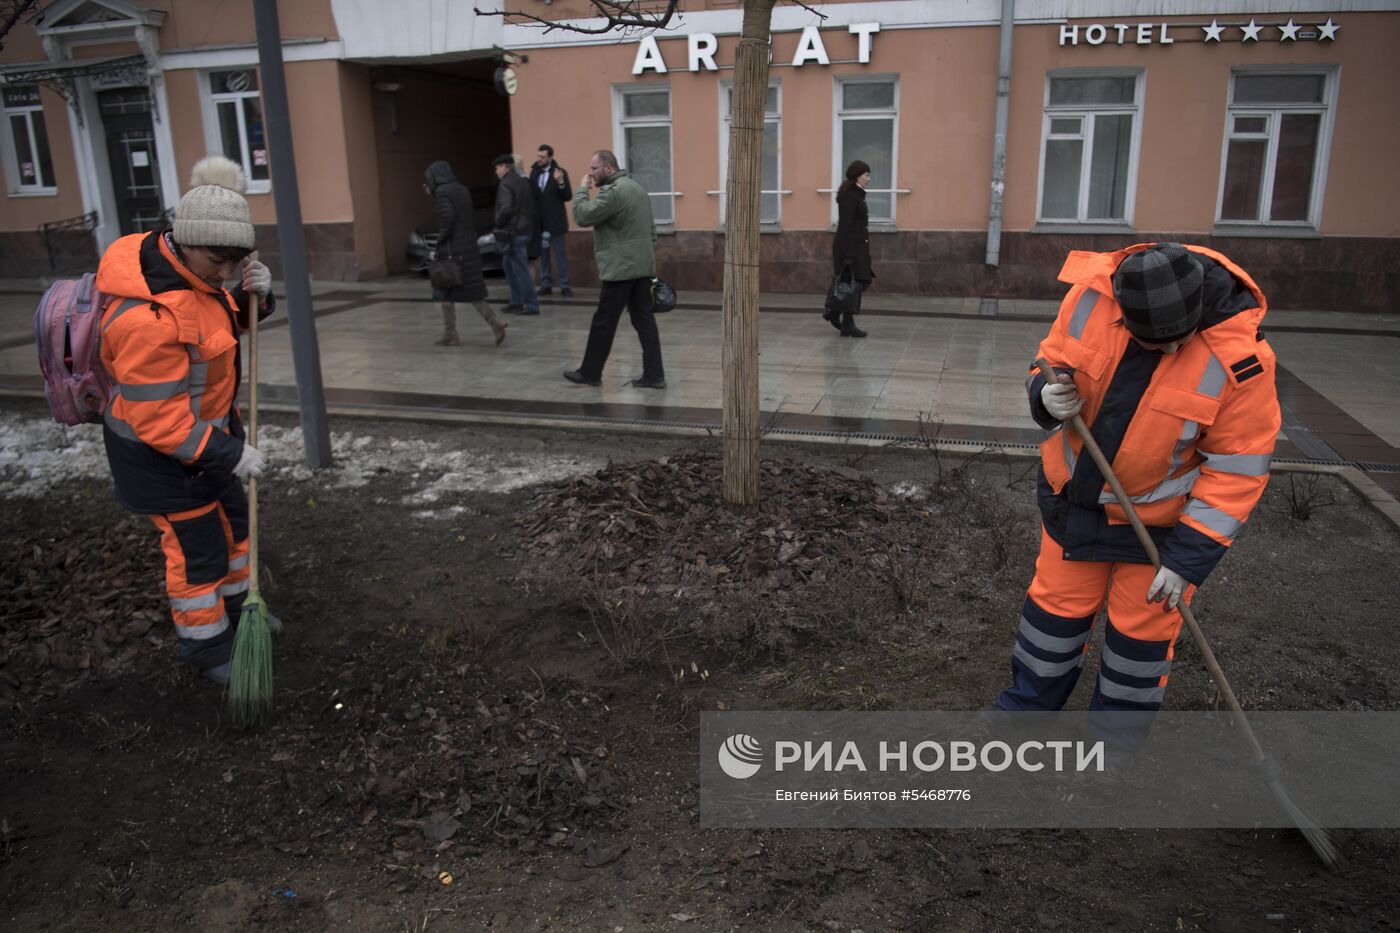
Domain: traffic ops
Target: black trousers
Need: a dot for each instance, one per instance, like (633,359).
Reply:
(635,296)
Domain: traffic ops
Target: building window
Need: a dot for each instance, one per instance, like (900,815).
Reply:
(28,163)
(771,196)
(238,117)
(643,134)
(1088,158)
(867,124)
(1277,130)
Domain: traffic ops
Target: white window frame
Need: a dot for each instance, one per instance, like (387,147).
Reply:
(213,138)
(840,115)
(1088,113)
(1331,75)
(621,122)
(14,182)
(775,117)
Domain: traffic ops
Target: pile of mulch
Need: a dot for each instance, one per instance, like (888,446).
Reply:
(416,766)
(659,526)
(84,601)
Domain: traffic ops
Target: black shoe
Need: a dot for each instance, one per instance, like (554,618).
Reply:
(642,382)
(514,309)
(832,318)
(849,328)
(567,292)
(578,378)
(526,312)
(545,291)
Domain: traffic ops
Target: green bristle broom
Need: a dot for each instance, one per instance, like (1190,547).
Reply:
(250,680)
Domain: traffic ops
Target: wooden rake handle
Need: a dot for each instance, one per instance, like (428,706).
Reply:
(253,439)
(1150,547)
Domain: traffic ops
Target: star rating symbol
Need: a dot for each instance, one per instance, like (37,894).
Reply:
(1251,32)
(1213,31)
(1288,32)
(1328,30)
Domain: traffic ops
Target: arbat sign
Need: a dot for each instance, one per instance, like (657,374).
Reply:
(701,48)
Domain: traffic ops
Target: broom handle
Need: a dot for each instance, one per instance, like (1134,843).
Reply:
(252,440)
(1148,545)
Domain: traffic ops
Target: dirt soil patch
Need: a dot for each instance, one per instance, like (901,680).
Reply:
(489,688)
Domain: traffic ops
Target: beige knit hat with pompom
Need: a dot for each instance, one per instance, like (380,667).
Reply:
(213,212)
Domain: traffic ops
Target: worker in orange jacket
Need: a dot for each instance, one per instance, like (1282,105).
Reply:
(172,431)
(1159,348)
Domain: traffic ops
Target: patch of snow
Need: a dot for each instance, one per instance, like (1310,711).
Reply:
(36,455)
(906,490)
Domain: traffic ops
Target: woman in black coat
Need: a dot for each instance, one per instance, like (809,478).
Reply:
(457,240)
(851,246)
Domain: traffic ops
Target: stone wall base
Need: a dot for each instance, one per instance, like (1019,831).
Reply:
(1319,274)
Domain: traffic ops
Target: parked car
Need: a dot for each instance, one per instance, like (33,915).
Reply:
(422,249)
(422,242)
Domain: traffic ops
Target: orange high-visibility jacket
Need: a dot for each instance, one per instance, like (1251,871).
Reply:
(170,345)
(1194,454)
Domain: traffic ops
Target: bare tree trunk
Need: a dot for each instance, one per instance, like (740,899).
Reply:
(741,217)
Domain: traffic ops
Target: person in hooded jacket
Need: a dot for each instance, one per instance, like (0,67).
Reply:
(850,247)
(1159,347)
(457,240)
(173,434)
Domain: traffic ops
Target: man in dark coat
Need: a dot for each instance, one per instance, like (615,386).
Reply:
(550,182)
(515,226)
(452,203)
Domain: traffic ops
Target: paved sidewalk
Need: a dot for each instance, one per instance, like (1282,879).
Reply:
(956,365)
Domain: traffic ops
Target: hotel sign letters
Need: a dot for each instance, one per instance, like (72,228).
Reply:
(701,48)
(1156,33)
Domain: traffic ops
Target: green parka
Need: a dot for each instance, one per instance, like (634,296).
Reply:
(624,236)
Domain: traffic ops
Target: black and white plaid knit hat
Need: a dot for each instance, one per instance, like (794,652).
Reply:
(1159,290)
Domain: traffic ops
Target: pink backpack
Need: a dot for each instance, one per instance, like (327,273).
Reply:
(68,328)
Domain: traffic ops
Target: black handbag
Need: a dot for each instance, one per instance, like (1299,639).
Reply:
(445,273)
(843,297)
(663,296)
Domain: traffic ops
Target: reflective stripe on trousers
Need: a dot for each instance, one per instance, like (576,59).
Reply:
(1054,632)
(206,566)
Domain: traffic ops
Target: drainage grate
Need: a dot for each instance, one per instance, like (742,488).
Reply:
(1371,466)
(870,436)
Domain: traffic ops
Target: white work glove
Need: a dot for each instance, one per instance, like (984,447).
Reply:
(250,463)
(1168,585)
(257,279)
(1061,400)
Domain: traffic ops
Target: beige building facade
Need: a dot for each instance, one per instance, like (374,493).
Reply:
(1265,130)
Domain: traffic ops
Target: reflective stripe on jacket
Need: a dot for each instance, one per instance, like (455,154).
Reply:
(1191,440)
(170,344)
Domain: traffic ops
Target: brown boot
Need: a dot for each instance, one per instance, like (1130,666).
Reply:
(489,316)
(449,327)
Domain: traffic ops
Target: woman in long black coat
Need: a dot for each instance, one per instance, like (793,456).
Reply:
(851,245)
(457,240)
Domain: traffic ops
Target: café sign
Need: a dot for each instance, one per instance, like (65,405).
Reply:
(701,48)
